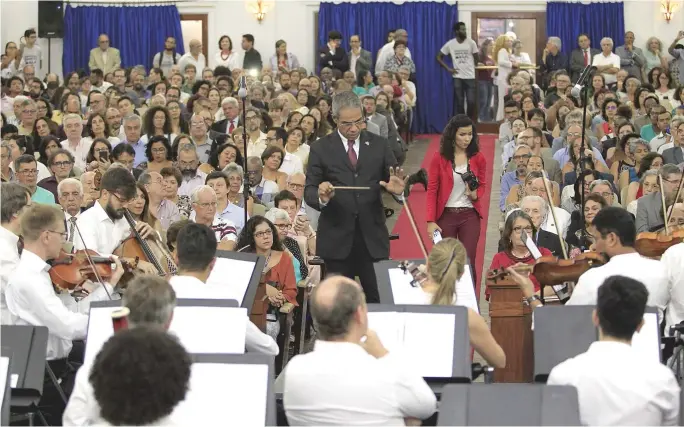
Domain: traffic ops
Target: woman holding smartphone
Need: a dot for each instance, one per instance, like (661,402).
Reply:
(98,155)
(456,184)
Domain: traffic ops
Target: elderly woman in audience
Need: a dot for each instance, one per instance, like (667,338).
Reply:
(61,164)
(648,183)
(296,145)
(638,148)
(281,221)
(628,96)
(272,158)
(301,229)
(278,286)
(577,232)
(608,110)
(514,249)
(650,162)
(399,58)
(235,175)
(518,125)
(224,155)
(655,55)
(172,179)
(665,89)
(535,169)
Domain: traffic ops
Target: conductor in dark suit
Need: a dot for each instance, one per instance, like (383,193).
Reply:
(351,233)
(332,55)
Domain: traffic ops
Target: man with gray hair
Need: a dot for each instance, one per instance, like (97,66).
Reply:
(607,63)
(70,196)
(552,60)
(632,58)
(649,215)
(350,378)
(14,198)
(537,208)
(231,113)
(204,204)
(74,142)
(351,232)
(388,50)
(132,125)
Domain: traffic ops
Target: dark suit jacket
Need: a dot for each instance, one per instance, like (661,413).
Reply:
(222,125)
(673,156)
(649,214)
(364,63)
(339,60)
(577,62)
(328,161)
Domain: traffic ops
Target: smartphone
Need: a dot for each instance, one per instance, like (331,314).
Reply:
(104,156)
(436,237)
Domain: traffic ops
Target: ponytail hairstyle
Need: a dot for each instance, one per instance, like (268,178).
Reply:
(446,265)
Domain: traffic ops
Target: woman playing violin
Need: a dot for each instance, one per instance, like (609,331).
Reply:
(445,267)
(515,251)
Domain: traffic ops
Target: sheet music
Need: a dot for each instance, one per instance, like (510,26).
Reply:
(429,337)
(233,274)
(194,326)
(14,380)
(389,328)
(4,371)
(404,293)
(646,341)
(465,291)
(238,391)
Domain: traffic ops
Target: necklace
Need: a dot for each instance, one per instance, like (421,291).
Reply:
(268,258)
(525,255)
(226,57)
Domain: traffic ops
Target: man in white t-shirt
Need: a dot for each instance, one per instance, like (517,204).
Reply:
(463,52)
(607,63)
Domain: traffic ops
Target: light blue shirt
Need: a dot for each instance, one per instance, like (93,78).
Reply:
(508,180)
(43,196)
(648,133)
(563,156)
(139,149)
(234,214)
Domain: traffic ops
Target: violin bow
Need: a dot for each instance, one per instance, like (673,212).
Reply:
(413,226)
(676,199)
(553,215)
(662,197)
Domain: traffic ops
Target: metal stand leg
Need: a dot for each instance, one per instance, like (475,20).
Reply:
(54,380)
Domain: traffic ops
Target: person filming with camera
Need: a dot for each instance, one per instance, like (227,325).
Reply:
(456,185)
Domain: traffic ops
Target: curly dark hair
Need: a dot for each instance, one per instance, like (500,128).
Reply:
(647,161)
(164,141)
(448,140)
(140,365)
(44,141)
(148,126)
(214,157)
(604,106)
(246,237)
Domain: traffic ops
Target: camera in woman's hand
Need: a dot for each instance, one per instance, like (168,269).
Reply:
(471,180)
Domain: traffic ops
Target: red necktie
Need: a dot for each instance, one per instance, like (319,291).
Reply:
(352,154)
(586,58)
(231,127)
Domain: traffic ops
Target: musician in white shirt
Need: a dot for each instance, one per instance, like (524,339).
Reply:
(15,198)
(347,381)
(195,257)
(614,233)
(30,294)
(615,384)
(103,226)
(673,261)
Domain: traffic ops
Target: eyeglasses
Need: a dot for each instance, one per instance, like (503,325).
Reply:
(357,123)
(207,205)
(184,165)
(519,229)
(574,135)
(28,172)
(121,199)
(30,111)
(62,164)
(282,226)
(64,234)
(262,234)
(522,157)
(605,194)
(676,182)
(296,186)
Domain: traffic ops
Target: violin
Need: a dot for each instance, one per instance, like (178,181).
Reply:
(550,270)
(654,244)
(70,271)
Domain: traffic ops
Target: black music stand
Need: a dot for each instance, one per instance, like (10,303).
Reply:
(382,275)
(5,383)
(242,359)
(247,301)
(27,347)
(94,348)
(562,332)
(508,405)
(461,369)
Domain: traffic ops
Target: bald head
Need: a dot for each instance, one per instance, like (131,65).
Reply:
(334,305)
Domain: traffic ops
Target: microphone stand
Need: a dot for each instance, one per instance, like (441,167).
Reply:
(585,95)
(242,93)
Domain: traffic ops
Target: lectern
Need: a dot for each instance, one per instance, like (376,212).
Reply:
(512,329)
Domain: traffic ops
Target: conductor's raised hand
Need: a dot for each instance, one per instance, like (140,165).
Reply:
(326,191)
(396,182)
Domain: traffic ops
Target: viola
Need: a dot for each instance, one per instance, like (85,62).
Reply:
(70,271)
(550,270)
(654,244)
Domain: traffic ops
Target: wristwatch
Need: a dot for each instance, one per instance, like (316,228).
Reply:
(530,300)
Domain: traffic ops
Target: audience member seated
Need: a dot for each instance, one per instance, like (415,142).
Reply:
(569,157)
(350,377)
(537,189)
(648,183)
(301,230)
(160,207)
(578,234)
(281,220)
(521,156)
(263,189)
(649,216)
(533,138)
(225,209)
(672,151)
(26,172)
(517,126)
(519,191)
(204,202)
(620,157)
(650,162)
(538,210)
(272,158)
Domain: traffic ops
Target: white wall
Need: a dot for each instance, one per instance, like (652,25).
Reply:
(293,21)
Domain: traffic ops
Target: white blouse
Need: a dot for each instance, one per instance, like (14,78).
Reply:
(458,197)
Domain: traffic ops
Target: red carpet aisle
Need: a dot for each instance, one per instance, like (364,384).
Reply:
(407,247)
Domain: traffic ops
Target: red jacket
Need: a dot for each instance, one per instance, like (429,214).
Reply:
(441,182)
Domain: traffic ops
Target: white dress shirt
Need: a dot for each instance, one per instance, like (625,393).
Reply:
(339,383)
(357,145)
(100,233)
(67,222)
(9,258)
(563,218)
(291,164)
(616,386)
(188,287)
(31,298)
(188,59)
(188,185)
(649,272)
(673,261)
(80,153)
(612,59)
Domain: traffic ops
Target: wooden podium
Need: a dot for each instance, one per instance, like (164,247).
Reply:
(512,329)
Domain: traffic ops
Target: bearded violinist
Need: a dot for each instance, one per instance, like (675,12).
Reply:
(103,226)
(33,301)
(614,234)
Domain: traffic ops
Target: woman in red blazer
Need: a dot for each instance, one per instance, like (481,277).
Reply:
(452,207)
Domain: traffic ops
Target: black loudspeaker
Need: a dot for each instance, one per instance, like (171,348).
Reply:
(50,19)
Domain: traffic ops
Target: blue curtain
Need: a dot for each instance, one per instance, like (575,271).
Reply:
(429,25)
(569,20)
(138,32)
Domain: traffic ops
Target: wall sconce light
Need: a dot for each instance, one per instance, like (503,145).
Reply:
(668,8)
(259,8)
